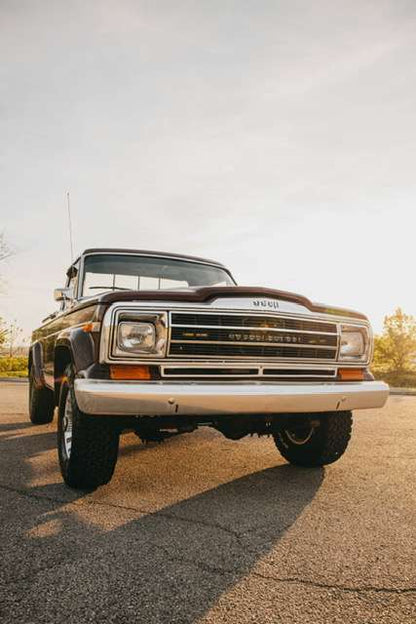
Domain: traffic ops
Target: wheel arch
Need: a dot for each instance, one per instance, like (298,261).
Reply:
(74,347)
(62,357)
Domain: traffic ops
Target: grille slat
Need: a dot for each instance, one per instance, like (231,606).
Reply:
(251,350)
(251,336)
(265,374)
(248,336)
(269,322)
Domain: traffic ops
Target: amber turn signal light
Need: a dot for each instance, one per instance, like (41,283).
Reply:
(121,371)
(351,374)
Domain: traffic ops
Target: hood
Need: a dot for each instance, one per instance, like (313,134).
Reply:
(208,293)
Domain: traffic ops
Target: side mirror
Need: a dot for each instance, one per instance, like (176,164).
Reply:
(63,294)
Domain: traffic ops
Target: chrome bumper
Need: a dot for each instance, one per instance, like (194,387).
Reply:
(131,398)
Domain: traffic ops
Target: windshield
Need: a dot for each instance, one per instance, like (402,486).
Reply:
(109,272)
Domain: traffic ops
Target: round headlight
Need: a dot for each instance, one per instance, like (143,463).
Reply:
(136,337)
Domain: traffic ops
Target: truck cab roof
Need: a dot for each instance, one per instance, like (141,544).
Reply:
(148,252)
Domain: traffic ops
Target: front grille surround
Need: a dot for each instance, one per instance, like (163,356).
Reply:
(279,323)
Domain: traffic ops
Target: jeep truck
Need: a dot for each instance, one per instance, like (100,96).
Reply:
(161,344)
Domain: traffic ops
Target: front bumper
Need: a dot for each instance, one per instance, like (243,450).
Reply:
(132,398)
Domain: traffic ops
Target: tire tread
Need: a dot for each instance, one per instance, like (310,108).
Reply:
(41,403)
(326,446)
(94,445)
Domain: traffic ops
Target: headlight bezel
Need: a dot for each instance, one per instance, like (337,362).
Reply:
(363,355)
(157,320)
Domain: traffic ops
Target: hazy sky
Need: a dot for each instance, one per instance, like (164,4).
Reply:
(276,136)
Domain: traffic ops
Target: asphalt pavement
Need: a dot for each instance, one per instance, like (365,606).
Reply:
(203,529)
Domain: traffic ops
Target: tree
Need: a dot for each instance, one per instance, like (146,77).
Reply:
(3,332)
(5,250)
(13,333)
(395,349)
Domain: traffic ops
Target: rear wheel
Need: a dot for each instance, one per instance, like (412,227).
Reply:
(315,441)
(87,445)
(41,402)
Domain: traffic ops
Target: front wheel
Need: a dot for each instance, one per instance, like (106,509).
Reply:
(316,440)
(87,445)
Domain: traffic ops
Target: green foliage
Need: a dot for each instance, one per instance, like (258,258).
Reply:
(12,374)
(13,366)
(395,349)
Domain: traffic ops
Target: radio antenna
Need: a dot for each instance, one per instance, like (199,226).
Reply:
(68,204)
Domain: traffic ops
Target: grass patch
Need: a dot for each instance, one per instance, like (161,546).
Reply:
(14,374)
(13,366)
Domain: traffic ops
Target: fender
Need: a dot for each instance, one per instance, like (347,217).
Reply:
(81,347)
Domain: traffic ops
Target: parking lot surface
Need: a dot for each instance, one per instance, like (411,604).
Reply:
(203,529)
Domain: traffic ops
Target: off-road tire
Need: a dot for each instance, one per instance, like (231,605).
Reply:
(94,446)
(327,443)
(41,402)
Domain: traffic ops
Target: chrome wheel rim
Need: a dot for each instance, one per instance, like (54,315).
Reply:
(67,425)
(300,436)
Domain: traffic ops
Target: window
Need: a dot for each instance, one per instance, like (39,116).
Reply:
(118,272)
(71,282)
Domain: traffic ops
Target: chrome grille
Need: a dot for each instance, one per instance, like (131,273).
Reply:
(248,336)
(242,320)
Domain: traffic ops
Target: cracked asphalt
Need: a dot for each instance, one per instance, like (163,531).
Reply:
(203,529)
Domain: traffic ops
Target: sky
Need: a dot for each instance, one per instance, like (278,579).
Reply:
(278,137)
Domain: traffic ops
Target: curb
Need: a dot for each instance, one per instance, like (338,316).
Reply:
(14,379)
(403,391)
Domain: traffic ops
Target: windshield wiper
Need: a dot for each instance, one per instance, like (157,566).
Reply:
(108,288)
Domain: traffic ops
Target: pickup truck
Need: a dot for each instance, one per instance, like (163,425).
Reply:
(161,344)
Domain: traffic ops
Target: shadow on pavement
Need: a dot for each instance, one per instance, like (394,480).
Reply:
(64,558)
